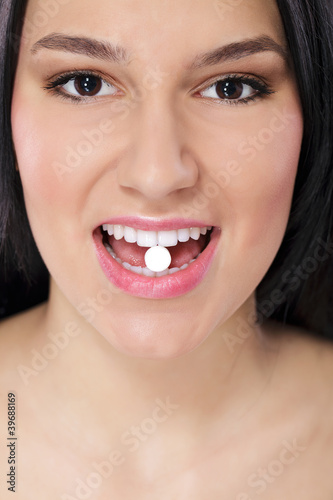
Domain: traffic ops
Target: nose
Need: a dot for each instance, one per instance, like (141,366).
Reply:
(158,163)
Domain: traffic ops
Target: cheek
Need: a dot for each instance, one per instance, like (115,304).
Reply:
(39,140)
(261,195)
(41,137)
(53,148)
(255,168)
(254,162)
(54,165)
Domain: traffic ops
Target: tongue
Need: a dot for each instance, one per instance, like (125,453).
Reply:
(181,254)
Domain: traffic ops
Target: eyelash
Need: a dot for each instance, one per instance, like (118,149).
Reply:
(262,90)
(54,86)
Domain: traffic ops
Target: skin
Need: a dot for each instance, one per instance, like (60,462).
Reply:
(110,373)
(153,168)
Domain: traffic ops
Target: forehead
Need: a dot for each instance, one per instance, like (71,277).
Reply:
(158,30)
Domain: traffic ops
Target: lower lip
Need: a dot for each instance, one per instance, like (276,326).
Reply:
(164,287)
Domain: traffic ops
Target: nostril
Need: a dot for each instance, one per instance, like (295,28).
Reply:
(157,179)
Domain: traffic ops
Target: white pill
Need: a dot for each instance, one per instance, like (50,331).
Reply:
(157,258)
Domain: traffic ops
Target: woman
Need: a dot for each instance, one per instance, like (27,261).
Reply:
(217,147)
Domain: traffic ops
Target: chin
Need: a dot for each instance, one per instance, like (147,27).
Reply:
(155,338)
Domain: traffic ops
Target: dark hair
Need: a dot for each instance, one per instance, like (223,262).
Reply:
(23,275)
(13,216)
(298,287)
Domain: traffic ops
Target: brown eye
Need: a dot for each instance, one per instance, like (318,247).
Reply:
(87,85)
(229,89)
(236,90)
(83,85)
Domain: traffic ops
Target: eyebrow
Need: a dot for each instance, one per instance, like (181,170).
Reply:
(97,49)
(238,50)
(105,50)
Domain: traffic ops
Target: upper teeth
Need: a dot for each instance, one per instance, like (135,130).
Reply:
(152,238)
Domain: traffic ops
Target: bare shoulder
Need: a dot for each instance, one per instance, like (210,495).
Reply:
(16,333)
(303,387)
(13,327)
(305,364)
(294,336)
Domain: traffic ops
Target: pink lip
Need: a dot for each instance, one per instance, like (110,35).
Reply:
(155,224)
(163,287)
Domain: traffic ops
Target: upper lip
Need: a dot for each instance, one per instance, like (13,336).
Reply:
(155,224)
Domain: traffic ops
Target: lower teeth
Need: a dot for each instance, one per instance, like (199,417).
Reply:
(144,270)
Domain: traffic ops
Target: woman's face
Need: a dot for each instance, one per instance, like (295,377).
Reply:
(136,127)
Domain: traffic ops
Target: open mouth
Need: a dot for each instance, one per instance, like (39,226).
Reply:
(128,246)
